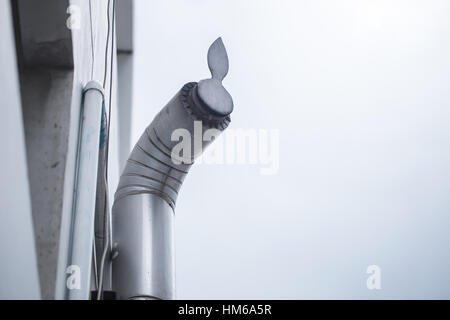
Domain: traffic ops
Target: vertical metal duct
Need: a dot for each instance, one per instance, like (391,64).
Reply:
(83,212)
(143,211)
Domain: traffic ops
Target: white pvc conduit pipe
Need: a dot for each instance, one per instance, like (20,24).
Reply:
(83,212)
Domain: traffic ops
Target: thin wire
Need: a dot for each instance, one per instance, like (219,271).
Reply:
(106,243)
(92,40)
(107,45)
(106,207)
(94,257)
(111,85)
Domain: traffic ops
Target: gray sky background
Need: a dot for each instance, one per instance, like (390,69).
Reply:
(360,93)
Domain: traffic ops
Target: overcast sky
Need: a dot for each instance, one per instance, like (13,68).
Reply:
(359,91)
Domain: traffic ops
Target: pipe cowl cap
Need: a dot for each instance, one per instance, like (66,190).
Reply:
(214,97)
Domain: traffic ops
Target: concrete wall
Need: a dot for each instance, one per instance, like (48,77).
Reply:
(46,113)
(18,267)
(125,61)
(46,76)
(55,63)
(44,40)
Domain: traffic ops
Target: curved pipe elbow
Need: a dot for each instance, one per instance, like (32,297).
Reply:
(153,167)
(145,200)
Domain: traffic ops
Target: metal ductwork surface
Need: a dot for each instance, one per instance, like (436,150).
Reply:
(144,208)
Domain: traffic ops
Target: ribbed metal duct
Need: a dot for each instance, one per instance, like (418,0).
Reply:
(143,211)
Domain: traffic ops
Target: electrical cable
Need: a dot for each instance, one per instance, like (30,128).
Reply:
(107,234)
(107,44)
(94,256)
(105,244)
(111,83)
(92,40)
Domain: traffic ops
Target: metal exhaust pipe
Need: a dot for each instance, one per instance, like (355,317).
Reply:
(143,211)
